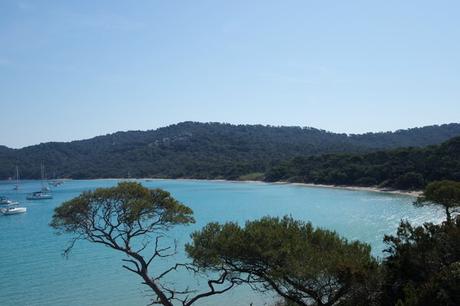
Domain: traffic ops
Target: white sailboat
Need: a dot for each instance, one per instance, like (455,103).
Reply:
(56,182)
(9,207)
(6,201)
(40,195)
(44,193)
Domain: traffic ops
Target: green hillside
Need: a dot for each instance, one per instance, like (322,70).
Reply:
(201,150)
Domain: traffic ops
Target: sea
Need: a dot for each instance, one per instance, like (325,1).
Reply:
(33,270)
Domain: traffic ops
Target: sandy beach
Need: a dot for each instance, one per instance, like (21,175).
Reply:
(414,193)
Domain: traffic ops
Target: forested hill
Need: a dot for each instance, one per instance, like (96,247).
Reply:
(201,150)
(404,168)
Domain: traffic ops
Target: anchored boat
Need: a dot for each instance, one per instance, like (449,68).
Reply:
(8,207)
(13,210)
(6,201)
(44,193)
(40,195)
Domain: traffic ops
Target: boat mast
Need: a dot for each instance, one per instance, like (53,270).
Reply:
(43,175)
(17,178)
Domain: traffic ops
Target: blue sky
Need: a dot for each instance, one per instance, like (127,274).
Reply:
(76,69)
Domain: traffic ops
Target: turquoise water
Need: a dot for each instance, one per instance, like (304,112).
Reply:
(33,271)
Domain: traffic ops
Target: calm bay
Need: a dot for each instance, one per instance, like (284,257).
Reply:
(34,272)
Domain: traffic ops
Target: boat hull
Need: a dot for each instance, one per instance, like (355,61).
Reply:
(14,211)
(42,197)
(8,202)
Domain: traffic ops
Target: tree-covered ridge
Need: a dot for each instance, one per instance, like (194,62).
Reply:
(404,168)
(201,150)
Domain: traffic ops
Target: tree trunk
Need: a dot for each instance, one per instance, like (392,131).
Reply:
(147,280)
(161,296)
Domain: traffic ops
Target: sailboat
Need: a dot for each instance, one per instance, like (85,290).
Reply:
(16,187)
(6,201)
(44,193)
(56,182)
(9,207)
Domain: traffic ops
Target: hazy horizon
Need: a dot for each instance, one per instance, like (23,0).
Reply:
(74,70)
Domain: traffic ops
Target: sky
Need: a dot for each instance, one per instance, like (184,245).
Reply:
(77,69)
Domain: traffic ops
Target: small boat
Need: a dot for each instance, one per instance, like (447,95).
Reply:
(6,201)
(9,207)
(56,183)
(40,195)
(13,210)
(44,193)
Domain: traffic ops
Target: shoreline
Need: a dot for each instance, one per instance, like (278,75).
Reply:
(414,193)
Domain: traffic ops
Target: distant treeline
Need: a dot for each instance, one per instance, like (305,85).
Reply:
(405,168)
(225,151)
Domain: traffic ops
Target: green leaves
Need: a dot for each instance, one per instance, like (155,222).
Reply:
(289,256)
(423,266)
(445,193)
(71,215)
(128,205)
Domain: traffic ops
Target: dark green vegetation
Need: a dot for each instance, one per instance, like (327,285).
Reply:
(444,193)
(202,150)
(308,266)
(423,266)
(405,168)
(303,265)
